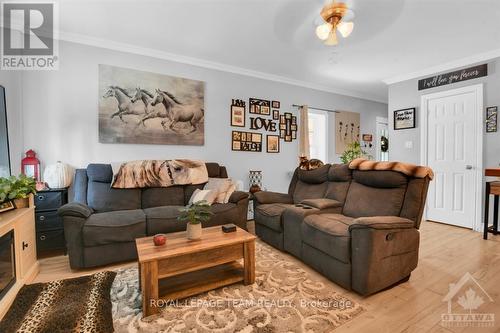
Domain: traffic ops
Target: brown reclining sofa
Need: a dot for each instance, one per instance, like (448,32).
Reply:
(356,224)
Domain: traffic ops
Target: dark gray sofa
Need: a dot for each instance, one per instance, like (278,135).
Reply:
(359,228)
(102,223)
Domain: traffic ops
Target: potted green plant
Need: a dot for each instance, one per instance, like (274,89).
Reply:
(194,214)
(352,152)
(18,189)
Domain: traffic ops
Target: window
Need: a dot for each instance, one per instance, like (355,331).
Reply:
(318,134)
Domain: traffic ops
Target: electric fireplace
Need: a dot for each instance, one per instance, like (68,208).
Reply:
(7,263)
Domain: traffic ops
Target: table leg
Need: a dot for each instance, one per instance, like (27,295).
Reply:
(486,210)
(249,262)
(149,286)
(495,216)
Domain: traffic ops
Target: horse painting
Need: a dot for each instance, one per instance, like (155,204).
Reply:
(175,111)
(149,108)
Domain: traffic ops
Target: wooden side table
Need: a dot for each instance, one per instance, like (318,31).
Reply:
(492,188)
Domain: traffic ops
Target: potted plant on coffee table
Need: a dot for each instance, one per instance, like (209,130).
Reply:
(194,214)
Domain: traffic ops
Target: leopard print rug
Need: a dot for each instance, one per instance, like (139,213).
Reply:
(73,305)
(287,297)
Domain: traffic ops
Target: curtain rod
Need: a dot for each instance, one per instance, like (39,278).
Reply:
(312,107)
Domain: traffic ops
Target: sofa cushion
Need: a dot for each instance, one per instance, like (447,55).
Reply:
(316,176)
(114,227)
(305,191)
(364,200)
(381,179)
(163,196)
(329,233)
(102,198)
(269,215)
(339,173)
(102,173)
(163,220)
(321,203)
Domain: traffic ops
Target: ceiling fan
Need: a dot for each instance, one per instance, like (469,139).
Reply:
(336,17)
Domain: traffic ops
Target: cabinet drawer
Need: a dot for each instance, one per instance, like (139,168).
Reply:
(48,221)
(48,200)
(50,240)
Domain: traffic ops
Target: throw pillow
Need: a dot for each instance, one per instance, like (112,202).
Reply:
(219,185)
(230,191)
(200,195)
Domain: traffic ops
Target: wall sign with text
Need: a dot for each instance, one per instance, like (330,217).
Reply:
(453,77)
(404,119)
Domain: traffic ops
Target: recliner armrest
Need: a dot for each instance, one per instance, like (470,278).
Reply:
(75,209)
(265,197)
(237,196)
(382,222)
(322,203)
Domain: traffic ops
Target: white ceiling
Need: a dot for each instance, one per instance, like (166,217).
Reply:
(391,37)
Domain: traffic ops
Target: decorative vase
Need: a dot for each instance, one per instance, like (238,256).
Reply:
(193,231)
(22,203)
(159,239)
(58,175)
(254,188)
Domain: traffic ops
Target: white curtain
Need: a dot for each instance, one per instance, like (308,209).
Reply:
(304,132)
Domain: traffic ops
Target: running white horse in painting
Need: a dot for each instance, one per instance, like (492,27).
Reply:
(175,111)
(125,104)
(145,96)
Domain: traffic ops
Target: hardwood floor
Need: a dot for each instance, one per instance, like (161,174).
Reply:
(446,254)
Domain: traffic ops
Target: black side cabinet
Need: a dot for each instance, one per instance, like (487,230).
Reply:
(49,226)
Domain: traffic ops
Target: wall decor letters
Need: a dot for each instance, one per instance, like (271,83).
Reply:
(452,77)
(238,113)
(246,141)
(260,106)
(491,119)
(404,119)
(258,123)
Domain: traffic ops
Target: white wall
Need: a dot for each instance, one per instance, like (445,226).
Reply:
(60,111)
(406,95)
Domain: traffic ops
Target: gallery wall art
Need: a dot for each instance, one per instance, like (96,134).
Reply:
(246,141)
(148,108)
(491,119)
(238,113)
(346,130)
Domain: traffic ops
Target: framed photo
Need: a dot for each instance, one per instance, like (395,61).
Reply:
(288,138)
(404,119)
(273,144)
(276,114)
(491,119)
(294,135)
(238,113)
(282,134)
(275,104)
(294,120)
(246,141)
(260,106)
(6,206)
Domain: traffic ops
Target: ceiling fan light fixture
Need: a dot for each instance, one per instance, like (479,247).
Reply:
(332,38)
(345,28)
(323,31)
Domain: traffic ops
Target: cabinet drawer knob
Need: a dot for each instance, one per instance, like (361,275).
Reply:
(42,237)
(25,245)
(41,197)
(42,218)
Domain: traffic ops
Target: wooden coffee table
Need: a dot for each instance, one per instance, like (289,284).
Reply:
(183,268)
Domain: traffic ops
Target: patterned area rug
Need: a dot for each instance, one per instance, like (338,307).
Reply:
(73,305)
(285,298)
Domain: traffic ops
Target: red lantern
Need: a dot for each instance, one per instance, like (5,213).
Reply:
(30,165)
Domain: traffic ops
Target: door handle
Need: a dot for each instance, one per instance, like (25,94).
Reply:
(468,167)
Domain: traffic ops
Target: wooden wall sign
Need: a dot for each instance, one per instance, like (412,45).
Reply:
(258,123)
(453,77)
(246,141)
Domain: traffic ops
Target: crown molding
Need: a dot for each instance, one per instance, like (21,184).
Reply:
(481,57)
(149,52)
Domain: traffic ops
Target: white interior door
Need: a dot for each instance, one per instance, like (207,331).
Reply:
(452,152)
